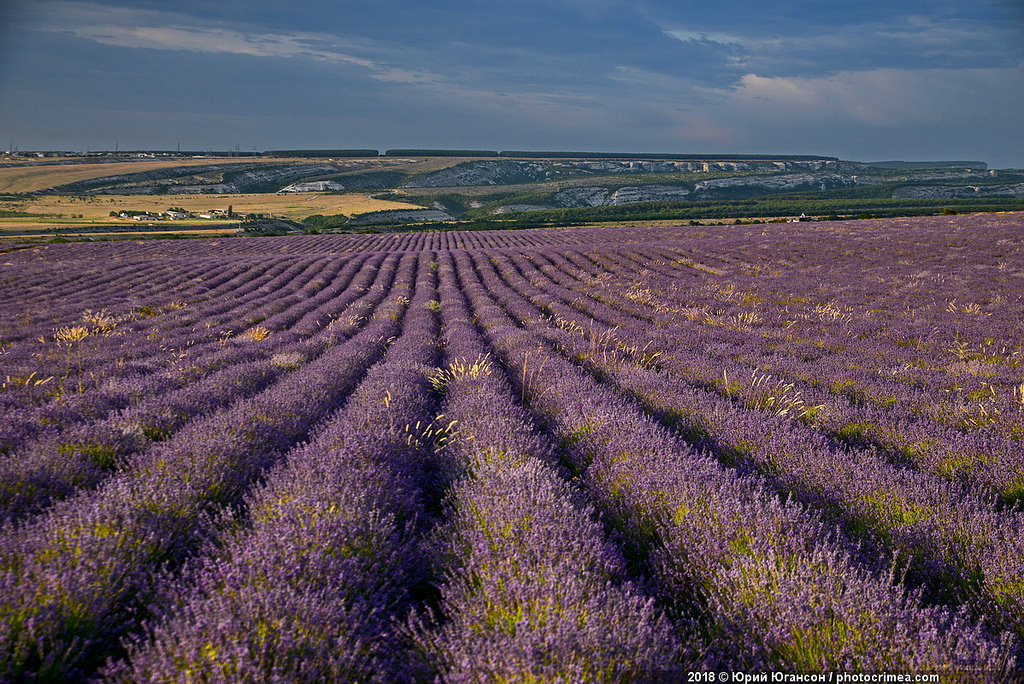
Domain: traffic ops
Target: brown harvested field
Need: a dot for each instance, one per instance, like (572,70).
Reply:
(294,206)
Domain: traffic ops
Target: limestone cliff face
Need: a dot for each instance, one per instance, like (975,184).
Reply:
(763,184)
(602,197)
(596,196)
(194,180)
(261,179)
(778,183)
(582,197)
(313,186)
(506,172)
(482,173)
(649,193)
(958,191)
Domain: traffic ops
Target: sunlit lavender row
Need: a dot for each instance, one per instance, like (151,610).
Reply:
(603,454)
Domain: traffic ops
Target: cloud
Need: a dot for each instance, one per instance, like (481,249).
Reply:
(686,35)
(589,74)
(651,80)
(775,91)
(212,40)
(912,41)
(873,114)
(854,114)
(156,30)
(885,97)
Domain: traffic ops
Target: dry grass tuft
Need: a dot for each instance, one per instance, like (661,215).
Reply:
(70,334)
(441,378)
(257,334)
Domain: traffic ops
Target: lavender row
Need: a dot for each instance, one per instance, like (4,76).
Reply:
(739,324)
(991,461)
(26,326)
(74,580)
(874,241)
(764,576)
(77,283)
(25,423)
(976,457)
(82,457)
(73,349)
(532,590)
(88,348)
(310,588)
(321,245)
(730,291)
(133,286)
(905,359)
(956,541)
(234,281)
(958,544)
(65,411)
(933,361)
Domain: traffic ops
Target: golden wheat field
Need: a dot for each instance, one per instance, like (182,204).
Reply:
(292,205)
(81,213)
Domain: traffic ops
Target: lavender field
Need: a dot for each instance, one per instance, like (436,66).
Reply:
(603,454)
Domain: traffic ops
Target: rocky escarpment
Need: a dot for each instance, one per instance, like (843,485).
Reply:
(367,180)
(751,185)
(509,172)
(958,191)
(261,179)
(582,197)
(482,173)
(144,179)
(722,187)
(602,197)
(313,186)
(205,179)
(596,196)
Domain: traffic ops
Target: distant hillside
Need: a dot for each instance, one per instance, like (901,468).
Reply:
(909,165)
(510,172)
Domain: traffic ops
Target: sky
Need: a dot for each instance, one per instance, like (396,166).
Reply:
(865,80)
